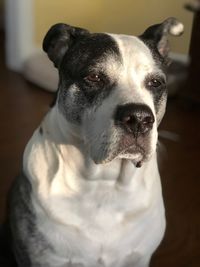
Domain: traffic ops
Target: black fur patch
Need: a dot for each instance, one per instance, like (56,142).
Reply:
(7,258)
(24,234)
(83,58)
(159,92)
(41,130)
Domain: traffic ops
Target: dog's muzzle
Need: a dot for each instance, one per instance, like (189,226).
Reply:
(136,122)
(135,119)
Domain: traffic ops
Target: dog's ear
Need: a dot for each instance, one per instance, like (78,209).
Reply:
(157,35)
(59,38)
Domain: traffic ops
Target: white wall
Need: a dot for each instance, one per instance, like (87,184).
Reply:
(19,32)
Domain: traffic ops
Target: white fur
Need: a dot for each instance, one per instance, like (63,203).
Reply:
(98,124)
(111,214)
(177,29)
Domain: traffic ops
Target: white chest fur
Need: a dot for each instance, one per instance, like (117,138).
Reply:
(103,215)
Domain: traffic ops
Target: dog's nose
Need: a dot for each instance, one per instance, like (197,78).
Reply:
(137,119)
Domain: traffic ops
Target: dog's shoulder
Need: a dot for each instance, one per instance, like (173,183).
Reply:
(22,221)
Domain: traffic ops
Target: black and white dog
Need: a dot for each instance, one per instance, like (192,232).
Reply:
(82,200)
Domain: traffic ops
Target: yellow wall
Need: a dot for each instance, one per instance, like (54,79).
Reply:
(117,16)
(1,3)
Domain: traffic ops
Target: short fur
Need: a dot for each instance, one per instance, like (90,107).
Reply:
(81,201)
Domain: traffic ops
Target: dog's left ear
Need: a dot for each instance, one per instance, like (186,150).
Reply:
(157,35)
(58,40)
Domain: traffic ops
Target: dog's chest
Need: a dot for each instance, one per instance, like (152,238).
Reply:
(103,208)
(105,224)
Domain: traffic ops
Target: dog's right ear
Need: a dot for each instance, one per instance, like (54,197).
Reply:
(58,39)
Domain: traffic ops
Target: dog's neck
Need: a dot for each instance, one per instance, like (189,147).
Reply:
(62,171)
(73,150)
(68,139)
(62,148)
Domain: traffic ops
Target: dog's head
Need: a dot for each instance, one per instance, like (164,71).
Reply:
(113,87)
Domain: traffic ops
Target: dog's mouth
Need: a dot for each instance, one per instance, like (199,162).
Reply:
(133,149)
(107,144)
(136,150)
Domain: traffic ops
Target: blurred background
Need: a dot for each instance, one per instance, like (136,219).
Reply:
(28,82)
(27,21)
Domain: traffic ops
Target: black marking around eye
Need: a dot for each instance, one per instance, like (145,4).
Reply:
(87,52)
(155,81)
(159,93)
(72,104)
(74,93)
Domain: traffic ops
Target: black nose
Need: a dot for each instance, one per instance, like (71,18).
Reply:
(136,119)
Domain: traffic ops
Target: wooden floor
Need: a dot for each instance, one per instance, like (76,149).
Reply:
(22,106)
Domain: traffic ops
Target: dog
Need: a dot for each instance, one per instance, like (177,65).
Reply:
(89,194)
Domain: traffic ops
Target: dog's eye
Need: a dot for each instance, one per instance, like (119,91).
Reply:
(92,77)
(154,83)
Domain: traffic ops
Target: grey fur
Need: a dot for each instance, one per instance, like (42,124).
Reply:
(76,53)
(22,221)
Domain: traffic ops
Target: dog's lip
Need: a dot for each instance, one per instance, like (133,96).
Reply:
(137,155)
(133,149)
(128,148)
(130,145)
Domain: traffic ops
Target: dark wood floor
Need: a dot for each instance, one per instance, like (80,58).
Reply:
(22,106)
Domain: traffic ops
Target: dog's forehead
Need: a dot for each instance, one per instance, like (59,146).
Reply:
(91,52)
(111,52)
(118,54)
(94,47)
(135,54)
